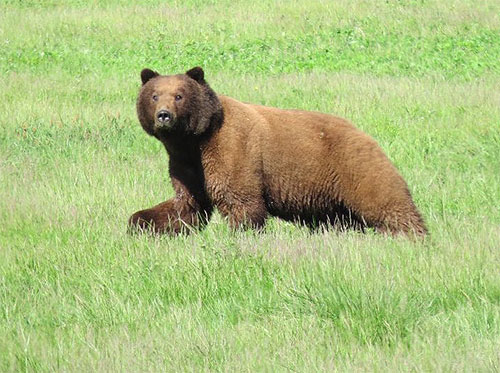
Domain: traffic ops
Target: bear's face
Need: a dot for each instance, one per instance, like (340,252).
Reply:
(176,104)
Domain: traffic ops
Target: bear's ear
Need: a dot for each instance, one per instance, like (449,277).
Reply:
(147,75)
(197,74)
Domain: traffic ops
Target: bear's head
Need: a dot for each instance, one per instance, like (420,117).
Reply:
(177,104)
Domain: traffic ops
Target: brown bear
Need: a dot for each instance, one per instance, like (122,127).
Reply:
(251,161)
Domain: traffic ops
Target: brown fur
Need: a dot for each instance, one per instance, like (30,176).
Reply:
(252,161)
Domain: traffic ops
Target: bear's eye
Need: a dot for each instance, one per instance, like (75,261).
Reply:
(155,97)
(178,98)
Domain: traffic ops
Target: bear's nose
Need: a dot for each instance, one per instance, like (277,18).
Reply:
(164,116)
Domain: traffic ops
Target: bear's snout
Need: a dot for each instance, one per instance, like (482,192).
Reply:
(164,116)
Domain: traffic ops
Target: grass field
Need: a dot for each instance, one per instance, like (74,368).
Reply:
(79,294)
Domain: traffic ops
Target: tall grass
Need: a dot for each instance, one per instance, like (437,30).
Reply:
(77,293)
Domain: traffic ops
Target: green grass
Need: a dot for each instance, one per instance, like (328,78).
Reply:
(79,294)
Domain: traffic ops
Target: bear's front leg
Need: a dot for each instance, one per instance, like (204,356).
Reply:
(167,217)
(250,213)
(176,215)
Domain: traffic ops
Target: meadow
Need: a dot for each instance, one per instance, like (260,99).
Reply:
(77,293)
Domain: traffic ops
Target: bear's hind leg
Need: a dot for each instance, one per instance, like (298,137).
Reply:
(384,203)
(409,223)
